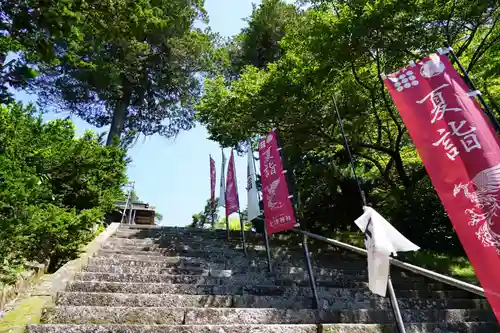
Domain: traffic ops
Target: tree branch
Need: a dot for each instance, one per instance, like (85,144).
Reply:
(479,50)
(378,166)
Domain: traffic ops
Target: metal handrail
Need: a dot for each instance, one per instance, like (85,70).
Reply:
(401,264)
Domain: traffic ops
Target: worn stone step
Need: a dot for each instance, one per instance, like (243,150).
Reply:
(251,301)
(141,234)
(474,327)
(242,264)
(215,262)
(252,316)
(130,266)
(181,279)
(334,281)
(260,290)
(208,253)
(185,256)
(165,246)
(293,274)
(116,269)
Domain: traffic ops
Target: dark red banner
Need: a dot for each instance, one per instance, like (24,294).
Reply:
(461,153)
(212,182)
(232,200)
(278,209)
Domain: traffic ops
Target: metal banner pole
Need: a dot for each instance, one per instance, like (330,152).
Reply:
(243,240)
(392,294)
(486,107)
(243,237)
(307,254)
(227,227)
(266,236)
(268,248)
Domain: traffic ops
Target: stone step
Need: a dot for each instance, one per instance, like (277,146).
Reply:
(333,281)
(296,272)
(474,327)
(204,258)
(165,247)
(208,253)
(215,262)
(260,290)
(320,274)
(251,301)
(251,316)
(116,269)
(142,234)
(180,279)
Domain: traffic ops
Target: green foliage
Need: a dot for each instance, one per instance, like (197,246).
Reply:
(332,54)
(54,187)
(234,223)
(205,217)
(128,64)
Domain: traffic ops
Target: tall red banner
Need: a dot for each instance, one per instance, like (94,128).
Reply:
(461,153)
(278,209)
(232,200)
(212,182)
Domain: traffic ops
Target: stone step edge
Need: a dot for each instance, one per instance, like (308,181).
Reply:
(247,328)
(371,298)
(185,309)
(243,285)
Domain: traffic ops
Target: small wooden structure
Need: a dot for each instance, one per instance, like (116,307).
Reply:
(142,213)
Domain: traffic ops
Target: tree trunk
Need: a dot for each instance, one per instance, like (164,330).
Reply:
(119,116)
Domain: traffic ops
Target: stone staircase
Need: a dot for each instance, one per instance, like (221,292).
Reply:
(152,280)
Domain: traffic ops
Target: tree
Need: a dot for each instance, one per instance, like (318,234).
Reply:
(130,65)
(205,217)
(258,43)
(54,187)
(332,54)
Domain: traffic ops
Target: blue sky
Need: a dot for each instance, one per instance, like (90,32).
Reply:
(173,174)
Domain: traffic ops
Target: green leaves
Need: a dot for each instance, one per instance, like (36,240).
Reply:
(55,187)
(128,64)
(334,53)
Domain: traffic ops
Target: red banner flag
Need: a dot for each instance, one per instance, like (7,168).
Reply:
(461,153)
(232,200)
(212,182)
(278,209)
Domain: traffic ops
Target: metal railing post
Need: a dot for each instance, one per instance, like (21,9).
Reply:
(307,255)
(392,294)
(312,280)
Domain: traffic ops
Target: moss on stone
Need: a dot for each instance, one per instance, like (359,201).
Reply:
(29,311)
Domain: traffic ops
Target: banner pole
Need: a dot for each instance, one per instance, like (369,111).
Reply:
(227,227)
(307,254)
(392,294)
(243,240)
(472,85)
(212,188)
(268,248)
(266,235)
(243,237)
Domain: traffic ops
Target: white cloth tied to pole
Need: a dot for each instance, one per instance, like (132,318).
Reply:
(382,240)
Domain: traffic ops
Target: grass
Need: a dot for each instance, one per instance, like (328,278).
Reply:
(458,267)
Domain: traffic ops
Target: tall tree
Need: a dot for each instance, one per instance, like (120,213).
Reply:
(338,49)
(128,64)
(258,42)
